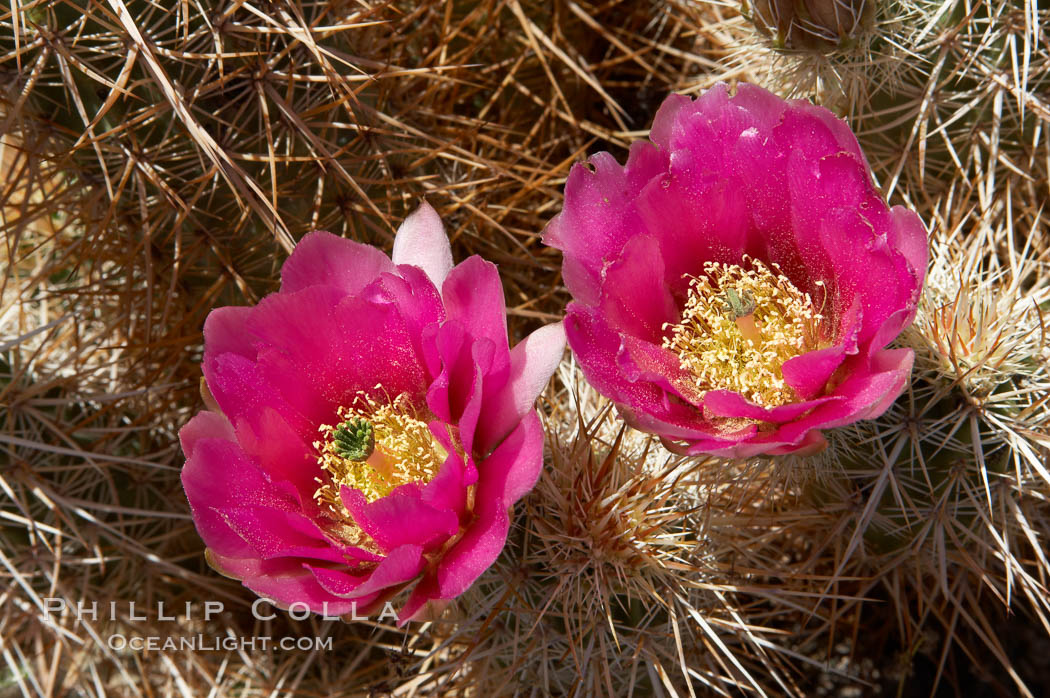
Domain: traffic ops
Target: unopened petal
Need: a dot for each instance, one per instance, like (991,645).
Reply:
(421,241)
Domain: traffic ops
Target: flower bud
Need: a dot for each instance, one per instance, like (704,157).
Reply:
(818,25)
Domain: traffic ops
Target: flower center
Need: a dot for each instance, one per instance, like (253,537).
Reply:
(374,449)
(739,325)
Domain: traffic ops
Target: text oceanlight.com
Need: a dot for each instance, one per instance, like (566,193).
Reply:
(201,643)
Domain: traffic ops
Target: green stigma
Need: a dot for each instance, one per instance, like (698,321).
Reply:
(354,439)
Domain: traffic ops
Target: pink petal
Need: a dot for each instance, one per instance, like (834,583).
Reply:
(726,403)
(602,356)
(737,445)
(276,371)
(448,489)
(908,235)
(635,295)
(226,330)
(417,300)
(274,533)
(473,394)
(400,566)
(893,368)
(285,580)
(864,394)
(323,259)
(461,566)
(279,451)
(476,550)
(879,280)
(506,475)
(218,476)
(683,423)
(421,241)
(513,468)
(204,425)
(532,362)
(765,108)
(329,341)
(473,296)
(812,443)
(401,518)
(666,118)
(809,373)
(242,392)
(642,361)
(697,215)
(456,393)
(815,133)
(600,215)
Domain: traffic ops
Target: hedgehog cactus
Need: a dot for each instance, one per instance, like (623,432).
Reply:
(945,494)
(934,89)
(631,570)
(940,502)
(191,146)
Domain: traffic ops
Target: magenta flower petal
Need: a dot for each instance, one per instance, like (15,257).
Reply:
(243,484)
(813,442)
(515,465)
(323,259)
(286,581)
(766,110)
(713,228)
(242,392)
(723,403)
(276,533)
(374,423)
(421,242)
(666,119)
(401,518)
(645,362)
(585,327)
(736,283)
(448,490)
(864,395)
(226,329)
(473,296)
(456,393)
(333,346)
(417,300)
(605,193)
(635,294)
(908,235)
(278,450)
(813,132)
(205,425)
(512,470)
(400,566)
(532,363)
(809,373)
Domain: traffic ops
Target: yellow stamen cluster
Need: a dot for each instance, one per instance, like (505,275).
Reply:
(404,451)
(739,325)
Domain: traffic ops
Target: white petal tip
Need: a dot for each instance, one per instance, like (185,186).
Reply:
(421,241)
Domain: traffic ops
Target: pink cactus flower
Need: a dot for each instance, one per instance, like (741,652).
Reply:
(373,427)
(737,282)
